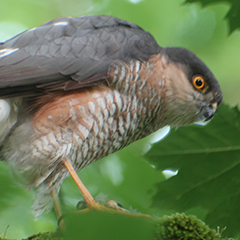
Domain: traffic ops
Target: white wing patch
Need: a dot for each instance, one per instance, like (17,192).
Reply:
(7,51)
(60,24)
(5,110)
(8,115)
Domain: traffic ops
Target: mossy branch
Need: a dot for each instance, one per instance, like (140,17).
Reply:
(174,227)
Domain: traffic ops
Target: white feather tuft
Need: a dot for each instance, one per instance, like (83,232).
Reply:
(5,110)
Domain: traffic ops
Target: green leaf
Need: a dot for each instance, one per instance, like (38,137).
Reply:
(9,189)
(102,225)
(233,16)
(208,160)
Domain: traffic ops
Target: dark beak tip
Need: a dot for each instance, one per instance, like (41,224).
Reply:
(209,118)
(209,115)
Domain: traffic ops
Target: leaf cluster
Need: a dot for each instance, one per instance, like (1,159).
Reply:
(208,161)
(233,15)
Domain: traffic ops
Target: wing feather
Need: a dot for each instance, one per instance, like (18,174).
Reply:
(65,50)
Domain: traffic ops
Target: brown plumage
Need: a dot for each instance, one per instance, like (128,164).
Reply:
(77,89)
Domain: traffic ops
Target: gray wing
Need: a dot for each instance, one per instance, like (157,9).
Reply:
(69,53)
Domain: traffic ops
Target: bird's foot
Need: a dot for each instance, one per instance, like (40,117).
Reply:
(96,205)
(115,205)
(110,206)
(90,202)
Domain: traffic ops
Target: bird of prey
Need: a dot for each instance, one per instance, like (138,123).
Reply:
(74,90)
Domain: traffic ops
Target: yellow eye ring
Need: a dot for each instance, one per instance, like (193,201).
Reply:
(198,82)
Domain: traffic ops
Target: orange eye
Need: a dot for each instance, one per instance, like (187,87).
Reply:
(198,82)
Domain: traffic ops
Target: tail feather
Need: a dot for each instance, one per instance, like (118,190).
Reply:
(43,200)
(43,196)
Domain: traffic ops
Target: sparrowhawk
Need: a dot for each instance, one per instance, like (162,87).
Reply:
(74,90)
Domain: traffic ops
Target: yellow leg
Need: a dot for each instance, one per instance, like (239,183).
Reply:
(57,208)
(56,204)
(86,194)
(89,199)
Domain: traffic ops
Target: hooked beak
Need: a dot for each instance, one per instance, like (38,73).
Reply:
(209,111)
(206,113)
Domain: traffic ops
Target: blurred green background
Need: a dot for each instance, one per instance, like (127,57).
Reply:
(124,176)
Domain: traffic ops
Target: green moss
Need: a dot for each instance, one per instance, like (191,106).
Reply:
(181,226)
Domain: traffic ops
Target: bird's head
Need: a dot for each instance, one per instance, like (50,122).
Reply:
(193,93)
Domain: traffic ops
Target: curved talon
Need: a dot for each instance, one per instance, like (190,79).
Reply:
(114,205)
(61,223)
(81,205)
